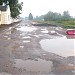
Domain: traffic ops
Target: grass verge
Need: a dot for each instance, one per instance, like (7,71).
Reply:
(65,24)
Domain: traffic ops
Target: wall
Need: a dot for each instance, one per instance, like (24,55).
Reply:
(5,16)
(0,17)
(8,16)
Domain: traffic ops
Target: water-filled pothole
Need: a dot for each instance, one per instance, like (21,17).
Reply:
(61,46)
(27,29)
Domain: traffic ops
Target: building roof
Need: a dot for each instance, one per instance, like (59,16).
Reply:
(3,8)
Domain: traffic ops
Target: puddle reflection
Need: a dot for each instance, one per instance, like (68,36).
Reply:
(9,38)
(27,29)
(6,36)
(27,37)
(26,41)
(21,46)
(44,30)
(70,36)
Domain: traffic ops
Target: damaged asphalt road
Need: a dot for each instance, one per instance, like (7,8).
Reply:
(22,54)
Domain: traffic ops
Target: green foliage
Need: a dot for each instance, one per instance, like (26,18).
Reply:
(30,16)
(70,22)
(66,15)
(53,16)
(1,2)
(15,7)
(39,17)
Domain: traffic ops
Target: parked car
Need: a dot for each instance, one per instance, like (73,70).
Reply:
(70,31)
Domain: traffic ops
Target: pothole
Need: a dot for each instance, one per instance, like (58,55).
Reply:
(26,41)
(61,46)
(27,37)
(26,29)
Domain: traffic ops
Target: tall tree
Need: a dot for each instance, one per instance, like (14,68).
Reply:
(66,15)
(30,16)
(53,16)
(15,7)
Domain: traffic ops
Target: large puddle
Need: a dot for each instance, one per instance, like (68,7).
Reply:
(27,29)
(61,46)
(40,65)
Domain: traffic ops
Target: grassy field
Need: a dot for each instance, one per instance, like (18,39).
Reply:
(67,24)
(64,24)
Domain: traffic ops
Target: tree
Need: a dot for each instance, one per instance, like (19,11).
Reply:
(30,16)
(15,7)
(66,15)
(53,16)
(39,17)
(1,2)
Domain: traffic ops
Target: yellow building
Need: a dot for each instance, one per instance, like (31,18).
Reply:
(5,17)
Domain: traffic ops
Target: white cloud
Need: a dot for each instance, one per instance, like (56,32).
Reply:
(39,7)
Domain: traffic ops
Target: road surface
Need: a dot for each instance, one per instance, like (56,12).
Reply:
(22,54)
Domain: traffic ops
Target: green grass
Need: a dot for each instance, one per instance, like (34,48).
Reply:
(67,24)
(64,24)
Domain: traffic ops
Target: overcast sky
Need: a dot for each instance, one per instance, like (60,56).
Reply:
(40,7)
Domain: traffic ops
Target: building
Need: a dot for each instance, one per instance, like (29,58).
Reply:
(5,17)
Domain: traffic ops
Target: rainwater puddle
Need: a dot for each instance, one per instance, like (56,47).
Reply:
(27,29)
(42,66)
(53,32)
(6,36)
(9,38)
(61,46)
(27,37)
(27,41)
(21,46)
(44,31)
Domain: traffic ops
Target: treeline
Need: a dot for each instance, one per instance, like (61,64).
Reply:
(53,16)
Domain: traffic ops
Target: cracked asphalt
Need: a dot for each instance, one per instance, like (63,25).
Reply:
(22,54)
